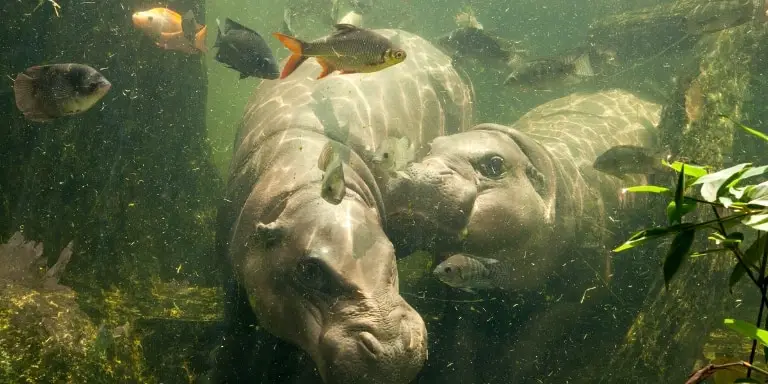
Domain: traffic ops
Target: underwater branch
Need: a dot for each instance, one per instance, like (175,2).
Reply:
(709,370)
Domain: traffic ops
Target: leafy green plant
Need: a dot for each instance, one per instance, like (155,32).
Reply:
(733,200)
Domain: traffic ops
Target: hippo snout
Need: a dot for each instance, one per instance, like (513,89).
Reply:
(436,190)
(370,345)
(389,349)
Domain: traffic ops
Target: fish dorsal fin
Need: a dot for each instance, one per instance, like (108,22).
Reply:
(218,34)
(230,25)
(327,155)
(582,65)
(486,261)
(342,29)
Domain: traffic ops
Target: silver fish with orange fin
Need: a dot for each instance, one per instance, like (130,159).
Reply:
(349,49)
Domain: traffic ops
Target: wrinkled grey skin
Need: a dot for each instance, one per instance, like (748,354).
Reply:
(324,276)
(544,206)
(546,196)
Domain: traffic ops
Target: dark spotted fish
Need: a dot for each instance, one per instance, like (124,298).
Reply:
(473,42)
(245,51)
(469,273)
(46,92)
(623,160)
(349,49)
(552,71)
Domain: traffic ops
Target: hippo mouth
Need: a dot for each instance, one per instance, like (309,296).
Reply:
(369,345)
(390,354)
(436,195)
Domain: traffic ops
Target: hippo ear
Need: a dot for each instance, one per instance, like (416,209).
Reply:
(268,235)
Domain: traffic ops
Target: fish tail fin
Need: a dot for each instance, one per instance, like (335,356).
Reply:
(26,101)
(200,39)
(582,66)
(218,34)
(296,47)
(326,157)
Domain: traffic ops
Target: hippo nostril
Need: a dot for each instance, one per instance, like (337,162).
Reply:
(369,343)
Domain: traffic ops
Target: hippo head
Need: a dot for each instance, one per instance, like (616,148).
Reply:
(485,191)
(324,277)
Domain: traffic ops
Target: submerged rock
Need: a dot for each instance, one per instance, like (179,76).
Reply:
(44,335)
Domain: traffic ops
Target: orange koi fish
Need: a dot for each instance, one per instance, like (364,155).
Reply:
(168,28)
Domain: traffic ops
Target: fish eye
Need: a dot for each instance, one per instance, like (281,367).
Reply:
(447,269)
(492,167)
(93,86)
(150,18)
(312,274)
(399,55)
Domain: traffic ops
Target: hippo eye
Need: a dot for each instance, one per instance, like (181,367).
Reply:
(492,167)
(312,274)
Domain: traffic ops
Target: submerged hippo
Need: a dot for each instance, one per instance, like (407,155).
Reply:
(320,275)
(527,196)
(526,192)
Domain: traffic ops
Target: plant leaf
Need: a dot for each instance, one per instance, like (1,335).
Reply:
(646,188)
(679,191)
(751,256)
(765,353)
(747,129)
(651,233)
(755,171)
(738,192)
(675,215)
(678,252)
(760,202)
(692,171)
(748,330)
(755,192)
(713,182)
(707,252)
(758,222)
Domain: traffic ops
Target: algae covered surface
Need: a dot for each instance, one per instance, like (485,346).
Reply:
(129,183)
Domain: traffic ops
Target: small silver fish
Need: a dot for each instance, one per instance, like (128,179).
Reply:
(469,273)
(394,154)
(333,188)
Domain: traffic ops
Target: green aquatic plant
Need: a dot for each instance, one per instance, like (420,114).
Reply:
(740,211)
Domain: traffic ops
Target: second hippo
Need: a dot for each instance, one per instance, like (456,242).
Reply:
(528,197)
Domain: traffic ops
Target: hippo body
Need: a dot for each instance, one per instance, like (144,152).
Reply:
(320,276)
(526,195)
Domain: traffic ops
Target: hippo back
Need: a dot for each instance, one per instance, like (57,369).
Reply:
(578,128)
(420,98)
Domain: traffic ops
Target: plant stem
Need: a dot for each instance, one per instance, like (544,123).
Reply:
(762,303)
(707,371)
(737,252)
